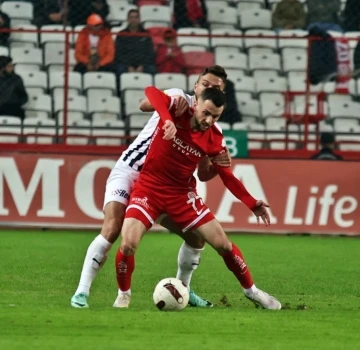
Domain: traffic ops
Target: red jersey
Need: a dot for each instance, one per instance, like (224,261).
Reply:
(170,164)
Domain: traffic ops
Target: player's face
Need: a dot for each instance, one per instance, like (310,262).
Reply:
(206,114)
(208,81)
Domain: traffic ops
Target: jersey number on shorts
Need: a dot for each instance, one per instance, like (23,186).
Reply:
(193,197)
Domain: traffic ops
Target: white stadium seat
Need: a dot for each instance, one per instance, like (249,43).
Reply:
(232,60)
(270,84)
(27,55)
(102,129)
(54,54)
(57,80)
(354,135)
(293,38)
(294,59)
(222,16)
(100,80)
(155,14)
(78,128)
(265,61)
(256,18)
(38,130)
(38,107)
(244,83)
(135,81)
(224,125)
(24,37)
(18,10)
(119,11)
(249,108)
(104,107)
(260,38)
(165,81)
(226,40)
(55,33)
(34,79)
(132,99)
(77,107)
(257,133)
(12,126)
(193,42)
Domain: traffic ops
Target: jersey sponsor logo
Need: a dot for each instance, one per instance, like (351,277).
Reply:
(141,201)
(185,149)
(120,193)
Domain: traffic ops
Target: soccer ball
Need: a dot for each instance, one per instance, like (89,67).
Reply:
(171,294)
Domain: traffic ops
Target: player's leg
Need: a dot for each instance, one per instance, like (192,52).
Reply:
(116,198)
(214,234)
(188,258)
(140,216)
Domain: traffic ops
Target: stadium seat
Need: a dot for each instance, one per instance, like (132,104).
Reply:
(256,135)
(344,109)
(216,3)
(270,84)
(255,18)
(232,60)
(38,130)
(156,14)
(292,38)
(107,108)
(226,40)
(250,108)
(138,120)
(235,73)
(196,62)
(34,91)
(57,34)
(38,107)
(274,123)
(102,129)
(165,81)
(294,59)
(57,80)
(24,37)
(222,17)
(248,5)
(10,125)
(4,51)
(34,79)
(54,55)
(135,81)
(131,100)
(265,61)
(225,50)
(224,125)
(18,10)
(192,79)
(277,140)
(77,108)
(119,11)
(272,108)
(81,130)
(258,74)
(353,135)
(100,80)
(244,83)
(193,42)
(297,82)
(258,38)
(27,55)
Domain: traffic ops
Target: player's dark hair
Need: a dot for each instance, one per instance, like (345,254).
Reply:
(214,95)
(133,11)
(216,70)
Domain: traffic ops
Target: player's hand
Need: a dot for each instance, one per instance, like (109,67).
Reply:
(181,105)
(223,159)
(261,211)
(169,130)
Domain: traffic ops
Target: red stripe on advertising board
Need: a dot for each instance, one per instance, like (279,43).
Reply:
(68,190)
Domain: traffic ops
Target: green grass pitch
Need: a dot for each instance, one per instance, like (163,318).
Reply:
(316,279)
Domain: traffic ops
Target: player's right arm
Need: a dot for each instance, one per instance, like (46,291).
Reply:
(162,103)
(181,103)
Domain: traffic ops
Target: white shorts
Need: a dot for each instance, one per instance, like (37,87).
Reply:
(120,184)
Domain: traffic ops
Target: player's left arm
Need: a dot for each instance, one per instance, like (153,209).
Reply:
(206,168)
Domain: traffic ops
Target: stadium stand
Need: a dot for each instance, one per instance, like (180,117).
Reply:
(263,63)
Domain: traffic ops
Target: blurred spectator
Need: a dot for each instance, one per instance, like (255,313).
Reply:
(4,24)
(190,13)
(324,13)
(231,113)
(351,16)
(50,12)
(327,141)
(94,48)
(135,53)
(169,58)
(13,94)
(80,10)
(71,12)
(289,14)
(357,60)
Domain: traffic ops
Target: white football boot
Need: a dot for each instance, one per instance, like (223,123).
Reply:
(263,300)
(122,301)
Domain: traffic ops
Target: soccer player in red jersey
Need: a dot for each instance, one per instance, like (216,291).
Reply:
(166,186)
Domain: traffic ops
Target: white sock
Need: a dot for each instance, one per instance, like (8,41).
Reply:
(126,292)
(188,262)
(95,259)
(250,290)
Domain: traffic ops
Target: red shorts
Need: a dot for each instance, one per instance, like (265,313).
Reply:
(185,209)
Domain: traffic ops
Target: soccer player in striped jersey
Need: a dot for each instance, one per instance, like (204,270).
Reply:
(119,186)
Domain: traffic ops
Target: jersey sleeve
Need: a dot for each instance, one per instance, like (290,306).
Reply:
(161,102)
(234,185)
